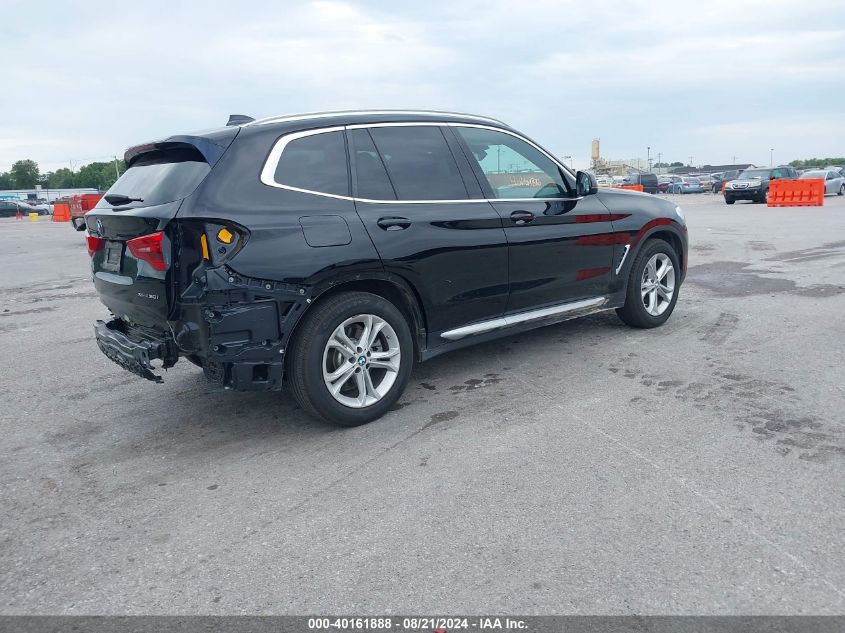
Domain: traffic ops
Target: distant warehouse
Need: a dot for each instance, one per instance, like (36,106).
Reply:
(708,169)
(41,194)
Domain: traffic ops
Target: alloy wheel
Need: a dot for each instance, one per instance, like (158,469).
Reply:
(657,286)
(361,360)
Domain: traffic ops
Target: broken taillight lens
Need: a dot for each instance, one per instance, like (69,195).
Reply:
(95,244)
(148,248)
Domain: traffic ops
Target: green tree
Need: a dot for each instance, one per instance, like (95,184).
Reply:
(6,181)
(25,174)
(817,162)
(98,175)
(60,179)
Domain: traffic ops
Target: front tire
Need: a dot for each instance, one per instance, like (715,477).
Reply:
(350,359)
(729,200)
(841,191)
(653,284)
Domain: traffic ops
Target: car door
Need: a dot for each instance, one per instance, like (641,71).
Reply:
(557,251)
(830,184)
(430,222)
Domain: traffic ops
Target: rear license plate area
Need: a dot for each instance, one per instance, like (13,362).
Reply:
(113,256)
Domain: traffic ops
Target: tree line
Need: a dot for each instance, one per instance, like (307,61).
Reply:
(809,163)
(25,174)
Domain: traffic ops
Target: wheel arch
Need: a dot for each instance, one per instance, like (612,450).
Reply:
(668,231)
(394,288)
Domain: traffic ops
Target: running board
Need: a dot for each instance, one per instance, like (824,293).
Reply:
(524,317)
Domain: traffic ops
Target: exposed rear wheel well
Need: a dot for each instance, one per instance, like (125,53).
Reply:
(405,299)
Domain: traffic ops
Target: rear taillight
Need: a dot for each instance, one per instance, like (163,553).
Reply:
(95,244)
(148,248)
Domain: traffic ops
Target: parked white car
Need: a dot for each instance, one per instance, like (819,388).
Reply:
(834,181)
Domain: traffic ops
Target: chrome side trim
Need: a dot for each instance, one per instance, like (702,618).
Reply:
(524,317)
(325,115)
(268,172)
(624,255)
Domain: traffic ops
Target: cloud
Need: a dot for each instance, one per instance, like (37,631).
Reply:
(688,78)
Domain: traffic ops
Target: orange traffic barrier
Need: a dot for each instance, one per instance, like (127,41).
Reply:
(723,186)
(629,187)
(90,200)
(61,212)
(796,193)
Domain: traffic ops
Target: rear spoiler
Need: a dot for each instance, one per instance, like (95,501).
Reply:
(211,145)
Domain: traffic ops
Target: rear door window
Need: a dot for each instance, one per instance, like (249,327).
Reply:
(161,176)
(420,164)
(315,163)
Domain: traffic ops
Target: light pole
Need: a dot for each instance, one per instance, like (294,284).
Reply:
(648,157)
(690,161)
(771,157)
(570,161)
(116,172)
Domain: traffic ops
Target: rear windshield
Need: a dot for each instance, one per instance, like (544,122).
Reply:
(161,176)
(814,174)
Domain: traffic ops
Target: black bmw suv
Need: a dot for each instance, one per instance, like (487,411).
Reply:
(330,251)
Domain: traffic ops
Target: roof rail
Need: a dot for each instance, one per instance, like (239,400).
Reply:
(324,115)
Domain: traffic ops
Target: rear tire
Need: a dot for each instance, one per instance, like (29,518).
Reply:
(841,191)
(344,373)
(729,200)
(646,303)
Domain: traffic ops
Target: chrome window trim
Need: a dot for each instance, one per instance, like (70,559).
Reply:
(268,172)
(271,164)
(523,317)
(326,115)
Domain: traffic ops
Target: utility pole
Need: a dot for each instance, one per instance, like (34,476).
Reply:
(734,159)
(771,157)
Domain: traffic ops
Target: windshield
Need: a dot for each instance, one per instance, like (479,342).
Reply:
(755,173)
(160,176)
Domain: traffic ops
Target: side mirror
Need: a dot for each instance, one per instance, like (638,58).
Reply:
(585,184)
(79,224)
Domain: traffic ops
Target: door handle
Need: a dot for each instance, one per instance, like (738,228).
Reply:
(393,224)
(521,217)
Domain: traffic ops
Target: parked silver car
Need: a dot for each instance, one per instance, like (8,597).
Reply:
(834,181)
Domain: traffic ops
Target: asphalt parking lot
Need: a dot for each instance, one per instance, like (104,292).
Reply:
(581,468)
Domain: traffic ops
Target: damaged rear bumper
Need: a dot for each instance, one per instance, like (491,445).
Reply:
(134,353)
(235,327)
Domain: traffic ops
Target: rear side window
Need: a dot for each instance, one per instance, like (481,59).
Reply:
(371,178)
(419,162)
(162,176)
(315,163)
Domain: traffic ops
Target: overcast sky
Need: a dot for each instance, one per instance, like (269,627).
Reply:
(710,79)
